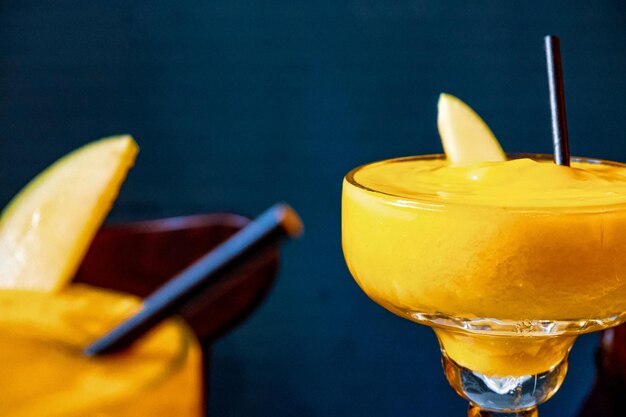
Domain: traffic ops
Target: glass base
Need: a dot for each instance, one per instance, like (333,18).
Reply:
(503,396)
(475,411)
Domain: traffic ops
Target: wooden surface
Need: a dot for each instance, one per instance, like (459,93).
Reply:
(138,257)
(608,396)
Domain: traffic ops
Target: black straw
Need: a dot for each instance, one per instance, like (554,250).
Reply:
(557,100)
(277,222)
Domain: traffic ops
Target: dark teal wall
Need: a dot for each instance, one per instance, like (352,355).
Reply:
(237,104)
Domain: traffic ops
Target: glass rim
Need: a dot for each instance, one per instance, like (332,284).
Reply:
(432,203)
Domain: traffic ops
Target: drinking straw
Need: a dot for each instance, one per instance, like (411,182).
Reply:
(271,226)
(557,100)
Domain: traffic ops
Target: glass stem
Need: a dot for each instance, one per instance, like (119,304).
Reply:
(475,411)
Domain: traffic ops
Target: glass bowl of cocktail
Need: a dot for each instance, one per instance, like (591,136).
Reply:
(46,374)
(508,259)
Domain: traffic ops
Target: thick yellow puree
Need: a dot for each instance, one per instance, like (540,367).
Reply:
(45,374)
(514,241)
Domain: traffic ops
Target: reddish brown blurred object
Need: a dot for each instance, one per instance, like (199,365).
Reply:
(607,398)
(138,257)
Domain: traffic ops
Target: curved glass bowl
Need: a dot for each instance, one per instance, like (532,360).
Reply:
(506,289)
(45,372)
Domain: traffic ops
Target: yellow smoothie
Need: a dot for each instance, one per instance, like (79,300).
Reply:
(515,241)
(45,374)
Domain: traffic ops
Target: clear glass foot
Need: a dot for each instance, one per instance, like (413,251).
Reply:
(503,396)
(475,411)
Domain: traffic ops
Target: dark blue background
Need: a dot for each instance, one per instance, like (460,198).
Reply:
(237,104)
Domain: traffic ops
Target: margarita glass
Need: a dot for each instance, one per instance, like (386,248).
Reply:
(507,261)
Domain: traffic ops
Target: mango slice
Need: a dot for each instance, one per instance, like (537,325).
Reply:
(46,229)
(465,136)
